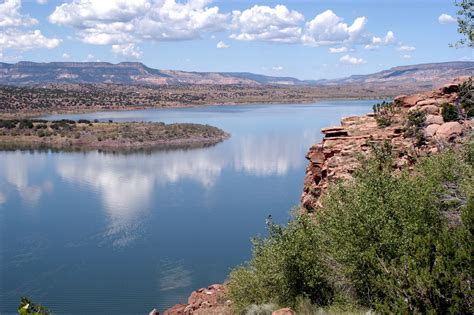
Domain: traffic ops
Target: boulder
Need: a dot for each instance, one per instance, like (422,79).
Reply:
(449,131)
(178,309)
(154,312)
(430,109)
(284,311)
(430,131)
(450,88)
(434,119)
(409,101)
(429,101)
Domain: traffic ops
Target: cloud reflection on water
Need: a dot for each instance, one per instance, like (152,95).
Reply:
(16,169)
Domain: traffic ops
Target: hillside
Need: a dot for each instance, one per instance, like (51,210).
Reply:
(429,73)
(135,73)
(129,73)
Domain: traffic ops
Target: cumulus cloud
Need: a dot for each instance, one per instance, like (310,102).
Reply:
(264,23)
(346,59)
(127,50)
(376,42)
(26,40)
(126,21)
(277,68)
(338,50)
(41,1)
(406,56)
(329,29)
(14,32)
(222,45)
(406,48)
(66,56)
(446,19)
(86,13)
(10,15)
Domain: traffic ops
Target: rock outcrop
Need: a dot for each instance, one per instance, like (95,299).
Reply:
(337,156)
(208,300)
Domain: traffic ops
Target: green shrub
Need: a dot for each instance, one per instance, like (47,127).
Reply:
(384,113)
(414,126)
(27,307)
(384,229)
(449,112)
(285,266)
(466,98)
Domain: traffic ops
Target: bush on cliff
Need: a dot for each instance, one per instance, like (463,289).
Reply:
(286,266)
(394,242)
(449,112)
(395,234)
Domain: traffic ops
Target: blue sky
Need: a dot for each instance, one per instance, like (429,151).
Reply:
(304,39)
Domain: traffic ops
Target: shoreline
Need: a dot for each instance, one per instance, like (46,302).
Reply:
(124,108)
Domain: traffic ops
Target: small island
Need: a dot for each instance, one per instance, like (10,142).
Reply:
(109,136)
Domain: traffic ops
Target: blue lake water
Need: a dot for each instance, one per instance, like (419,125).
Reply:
(103,233)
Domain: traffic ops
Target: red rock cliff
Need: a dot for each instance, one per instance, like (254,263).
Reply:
(336,157)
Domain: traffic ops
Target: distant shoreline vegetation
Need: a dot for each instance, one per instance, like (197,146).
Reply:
(84,134)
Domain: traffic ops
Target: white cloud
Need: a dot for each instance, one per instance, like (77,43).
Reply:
(376,42)
(329,29)
(277,68)
(66,56)
(406,56)
(446,19)
(406,48)
(14,36)
(10,15)
(3,198)
(127,50)
(41,1)
(222,45)
(337,50)
(125,21)
(352,60)
(264,23)
(26,40)
(86,13)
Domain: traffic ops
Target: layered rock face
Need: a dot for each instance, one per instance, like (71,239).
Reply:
(337,156)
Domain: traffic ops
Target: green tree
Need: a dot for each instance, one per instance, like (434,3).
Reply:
(465,17)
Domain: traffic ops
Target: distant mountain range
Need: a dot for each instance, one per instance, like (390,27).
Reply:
(134,73)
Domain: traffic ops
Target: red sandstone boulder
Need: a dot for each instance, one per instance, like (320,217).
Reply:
(434,119)
(154,312)
(178,309)
(409,101)
(430,109)
(284,311)
(449,131)
(430,131)
(429,101)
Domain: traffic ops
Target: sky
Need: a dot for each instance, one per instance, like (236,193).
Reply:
(306,39)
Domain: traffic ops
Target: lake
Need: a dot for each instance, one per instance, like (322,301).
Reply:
(102,233)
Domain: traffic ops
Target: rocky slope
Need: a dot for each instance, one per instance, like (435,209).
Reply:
(336,157)
(135,73)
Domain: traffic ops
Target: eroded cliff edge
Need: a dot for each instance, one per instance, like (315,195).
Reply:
(337,155)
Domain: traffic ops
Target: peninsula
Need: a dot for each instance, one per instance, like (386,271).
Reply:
(107,136)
